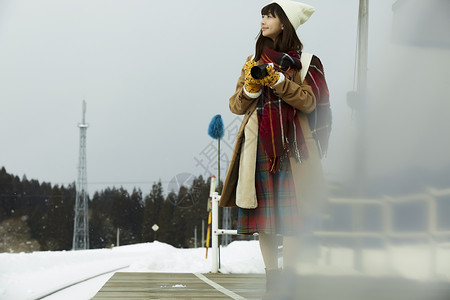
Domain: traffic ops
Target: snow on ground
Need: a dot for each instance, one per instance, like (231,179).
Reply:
(26,276)
(33,275)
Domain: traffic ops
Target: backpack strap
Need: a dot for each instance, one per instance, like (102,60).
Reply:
(305,59)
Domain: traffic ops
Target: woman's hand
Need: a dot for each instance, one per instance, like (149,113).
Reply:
(251,85)
(272,77)
(248,67)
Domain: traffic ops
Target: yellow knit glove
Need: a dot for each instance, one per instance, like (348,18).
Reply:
(271,78)
(248,67)
(251,85)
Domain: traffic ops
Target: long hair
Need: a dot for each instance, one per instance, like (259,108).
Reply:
(286,41)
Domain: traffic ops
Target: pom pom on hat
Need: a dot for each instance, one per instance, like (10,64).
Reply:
(297,12)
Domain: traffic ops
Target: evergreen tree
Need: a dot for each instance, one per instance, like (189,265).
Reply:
(7,195)
(68,205)
(165,221)
(126,215)
(58,230)
(4,195)
(102,232)
(134,216)
(148,234)
(198,211)
(37,198)
(48,214)
(179,219)
(152,209)
(52,221)
(189,208)
(15,236)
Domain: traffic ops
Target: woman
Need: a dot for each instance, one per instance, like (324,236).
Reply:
(275,175)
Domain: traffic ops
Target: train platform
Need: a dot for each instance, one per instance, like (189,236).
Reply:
(124,285)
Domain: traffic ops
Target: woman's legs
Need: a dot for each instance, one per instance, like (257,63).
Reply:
(269,249)
(289,278)
(291,252)
(280,284)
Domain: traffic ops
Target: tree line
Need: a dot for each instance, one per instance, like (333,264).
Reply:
(38,216)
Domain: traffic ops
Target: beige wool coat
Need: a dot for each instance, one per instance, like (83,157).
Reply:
(308,176)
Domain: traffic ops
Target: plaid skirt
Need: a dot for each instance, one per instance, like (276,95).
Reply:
(277,211)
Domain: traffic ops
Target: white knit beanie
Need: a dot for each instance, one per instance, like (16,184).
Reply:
(297,13)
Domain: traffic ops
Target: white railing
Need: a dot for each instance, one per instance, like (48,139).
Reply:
(215,198)
(388,231)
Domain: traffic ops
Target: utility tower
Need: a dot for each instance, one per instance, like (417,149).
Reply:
(81,223)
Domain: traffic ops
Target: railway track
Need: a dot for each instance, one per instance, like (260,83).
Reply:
(48,294)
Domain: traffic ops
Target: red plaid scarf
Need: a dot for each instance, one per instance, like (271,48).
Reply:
(279,128)
(320,119)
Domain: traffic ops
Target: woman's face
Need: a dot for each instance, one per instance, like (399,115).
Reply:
(271,26)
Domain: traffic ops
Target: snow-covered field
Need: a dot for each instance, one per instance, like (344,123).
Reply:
(33,275)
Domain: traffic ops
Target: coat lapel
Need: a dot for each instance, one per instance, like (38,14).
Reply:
(246,189)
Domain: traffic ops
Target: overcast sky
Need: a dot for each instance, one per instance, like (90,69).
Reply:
(153,74)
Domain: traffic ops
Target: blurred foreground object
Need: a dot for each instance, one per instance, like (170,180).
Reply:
(423,23)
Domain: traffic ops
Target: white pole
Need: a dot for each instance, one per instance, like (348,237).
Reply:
(212,187)
(432,221)
(195,236)
(214,235)
(360,153)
